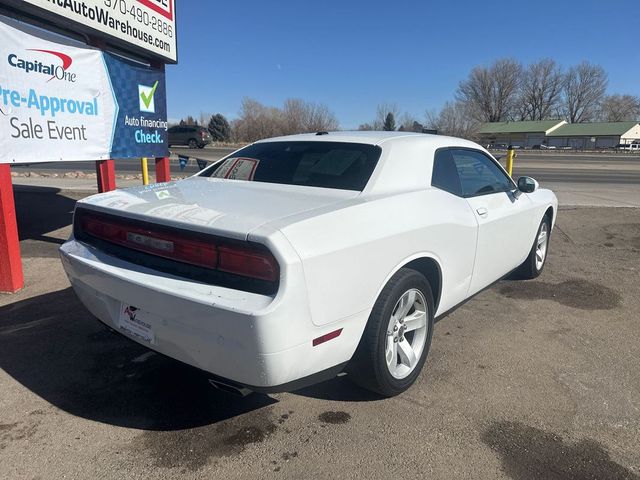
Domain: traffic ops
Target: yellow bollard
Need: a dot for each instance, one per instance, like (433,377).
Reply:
(511,154)
(145,171)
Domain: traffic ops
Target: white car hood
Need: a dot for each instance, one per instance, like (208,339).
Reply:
(231,208)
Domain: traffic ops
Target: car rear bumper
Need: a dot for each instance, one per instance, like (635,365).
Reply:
(252,339)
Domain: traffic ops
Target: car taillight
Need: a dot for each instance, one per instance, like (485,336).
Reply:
(248,263)
(164,245)
(203,134)
(212,253)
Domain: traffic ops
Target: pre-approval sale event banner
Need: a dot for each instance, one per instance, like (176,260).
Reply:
(65,101)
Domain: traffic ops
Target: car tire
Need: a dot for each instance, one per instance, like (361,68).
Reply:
(193,143)
(201,146)
(537,258)
(383,362)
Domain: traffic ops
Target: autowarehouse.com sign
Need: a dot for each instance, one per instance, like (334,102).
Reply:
(145,26)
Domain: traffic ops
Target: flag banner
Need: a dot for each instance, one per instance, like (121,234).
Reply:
(202,164)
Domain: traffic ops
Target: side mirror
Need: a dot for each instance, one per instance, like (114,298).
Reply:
(527,184)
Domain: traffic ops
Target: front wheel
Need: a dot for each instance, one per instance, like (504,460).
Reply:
(193,143)
(533,265)
(396,340)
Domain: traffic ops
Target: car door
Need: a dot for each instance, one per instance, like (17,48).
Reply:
(503,214)
(173,135)
(185,132)
(176,138)
(459,231)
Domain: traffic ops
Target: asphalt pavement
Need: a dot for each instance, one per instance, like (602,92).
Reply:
(528,380)
(132,166)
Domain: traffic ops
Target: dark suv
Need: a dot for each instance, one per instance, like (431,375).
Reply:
(192,135)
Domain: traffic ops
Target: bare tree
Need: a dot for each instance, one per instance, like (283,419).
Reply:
(305,117)
(620,108)
(490,93)
(204,118)
(540,90)
(320,118)
(409,124)
(295,115)
(583,91)
(189,121)
(454,119)
(257,121)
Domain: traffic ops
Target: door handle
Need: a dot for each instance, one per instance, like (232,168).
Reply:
(482,211)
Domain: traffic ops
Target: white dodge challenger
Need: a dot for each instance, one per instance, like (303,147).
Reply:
(298,257)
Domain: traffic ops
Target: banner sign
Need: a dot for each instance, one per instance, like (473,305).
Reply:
(145,25)
(62,102)
(140,127)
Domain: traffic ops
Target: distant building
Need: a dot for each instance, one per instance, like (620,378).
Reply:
(521,134)
(594,135)
(558,133)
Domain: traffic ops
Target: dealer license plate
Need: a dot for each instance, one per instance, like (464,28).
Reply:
(135,323)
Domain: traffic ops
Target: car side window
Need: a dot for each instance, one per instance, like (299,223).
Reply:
(445,174)
(479,175)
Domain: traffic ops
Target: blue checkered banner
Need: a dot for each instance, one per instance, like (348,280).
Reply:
(63,101)
(140,123)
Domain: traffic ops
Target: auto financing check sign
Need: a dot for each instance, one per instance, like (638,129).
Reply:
(64,101)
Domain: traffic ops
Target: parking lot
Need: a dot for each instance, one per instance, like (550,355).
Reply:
(536,379)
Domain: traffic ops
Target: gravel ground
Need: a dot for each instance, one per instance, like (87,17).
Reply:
(528,380)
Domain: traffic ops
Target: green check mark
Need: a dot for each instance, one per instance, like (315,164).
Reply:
(146,99)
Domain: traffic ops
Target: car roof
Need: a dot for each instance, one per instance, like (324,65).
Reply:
(375,138)
(402,152)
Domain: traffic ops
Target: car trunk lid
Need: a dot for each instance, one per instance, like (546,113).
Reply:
(230,208)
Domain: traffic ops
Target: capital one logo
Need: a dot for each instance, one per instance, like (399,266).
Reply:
(56,68)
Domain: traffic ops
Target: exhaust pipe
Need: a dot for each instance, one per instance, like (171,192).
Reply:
(230,388)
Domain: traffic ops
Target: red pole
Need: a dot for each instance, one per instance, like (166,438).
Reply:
(11,277)
(163,173)
(106,172)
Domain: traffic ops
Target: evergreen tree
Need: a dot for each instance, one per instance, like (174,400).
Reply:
(219,128)
(389,123)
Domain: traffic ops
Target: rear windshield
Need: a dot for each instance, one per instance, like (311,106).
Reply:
(345,166)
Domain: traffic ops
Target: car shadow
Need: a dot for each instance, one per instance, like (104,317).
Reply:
(39,212)
(54,347)
(339,389)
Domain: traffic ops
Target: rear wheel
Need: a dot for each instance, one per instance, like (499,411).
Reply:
(534,264)
(397,337)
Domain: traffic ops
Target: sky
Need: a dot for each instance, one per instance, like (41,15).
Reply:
(353,55)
